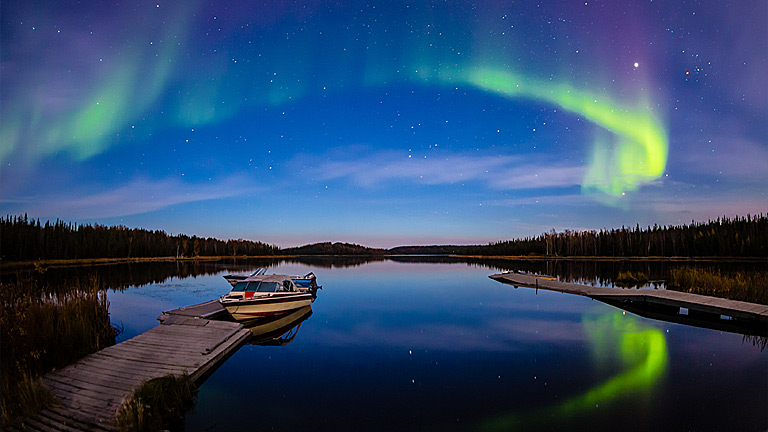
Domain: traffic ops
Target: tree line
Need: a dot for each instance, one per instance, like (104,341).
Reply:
(27,239)
(22,239)
(725,237)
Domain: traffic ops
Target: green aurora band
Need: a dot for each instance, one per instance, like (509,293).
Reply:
(139,80)
(643,350)
(633,153)
(640,154)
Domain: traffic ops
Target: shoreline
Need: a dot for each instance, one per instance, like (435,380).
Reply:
(14,265)
(17,265)
(610,258)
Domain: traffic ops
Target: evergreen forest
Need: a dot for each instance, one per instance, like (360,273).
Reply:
(723,237)
(22,239)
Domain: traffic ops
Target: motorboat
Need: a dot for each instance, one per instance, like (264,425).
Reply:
(307,281)
(258,296)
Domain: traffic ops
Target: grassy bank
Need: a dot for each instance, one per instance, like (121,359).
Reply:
(750,287)
(159,404)
(631,279)
(42,330)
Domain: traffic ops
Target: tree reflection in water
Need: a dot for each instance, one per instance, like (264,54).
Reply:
(598,272)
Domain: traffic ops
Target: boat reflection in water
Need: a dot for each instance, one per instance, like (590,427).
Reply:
(278,330)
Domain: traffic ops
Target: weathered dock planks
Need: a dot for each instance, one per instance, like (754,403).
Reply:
(653,301)
(209,310)
(90,392)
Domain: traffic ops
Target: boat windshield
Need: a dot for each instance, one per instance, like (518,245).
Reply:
(267,287)
(259,286)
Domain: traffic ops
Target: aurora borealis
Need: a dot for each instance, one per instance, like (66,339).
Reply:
(383,123)
(640,156)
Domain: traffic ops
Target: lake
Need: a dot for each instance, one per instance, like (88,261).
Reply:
(434,344)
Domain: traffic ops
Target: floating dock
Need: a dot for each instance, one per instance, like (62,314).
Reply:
(681,307)
(90,392)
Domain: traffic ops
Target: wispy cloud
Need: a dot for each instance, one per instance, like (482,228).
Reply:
(577,200)
(682,209)
(141,195)
(730,158)
(669,203)
(498,172)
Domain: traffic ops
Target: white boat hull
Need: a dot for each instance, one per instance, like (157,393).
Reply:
(254,308)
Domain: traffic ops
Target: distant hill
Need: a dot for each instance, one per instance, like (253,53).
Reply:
(328,248)
(435,250)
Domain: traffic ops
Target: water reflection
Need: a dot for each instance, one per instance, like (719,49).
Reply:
(446,348)
(124,275)
(754,328)
(641,349)
(278,330)
(119,277)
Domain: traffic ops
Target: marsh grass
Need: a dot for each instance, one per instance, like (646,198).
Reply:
(757,341)
(40,331)
(630,279)
(744,286)
(158,404)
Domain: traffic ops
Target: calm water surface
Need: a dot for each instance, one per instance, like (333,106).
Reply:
(440,346)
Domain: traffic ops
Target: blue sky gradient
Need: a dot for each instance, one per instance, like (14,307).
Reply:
(363,122)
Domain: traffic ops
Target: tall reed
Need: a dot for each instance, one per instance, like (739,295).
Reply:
(42,330)
(744,286)
(630,279)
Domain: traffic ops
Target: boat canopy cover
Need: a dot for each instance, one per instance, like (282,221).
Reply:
(268,278)
(303,283)
(265,283)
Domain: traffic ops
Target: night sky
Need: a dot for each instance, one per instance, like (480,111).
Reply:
(383,123)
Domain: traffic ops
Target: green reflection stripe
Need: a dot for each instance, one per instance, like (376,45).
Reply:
(644,351)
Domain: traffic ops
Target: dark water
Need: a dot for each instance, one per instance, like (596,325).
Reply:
(407,345)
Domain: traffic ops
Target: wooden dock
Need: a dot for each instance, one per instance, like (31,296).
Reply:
(90,392)
(676,306)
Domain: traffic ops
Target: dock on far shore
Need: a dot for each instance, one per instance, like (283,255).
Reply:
(89,393)
(674,306)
